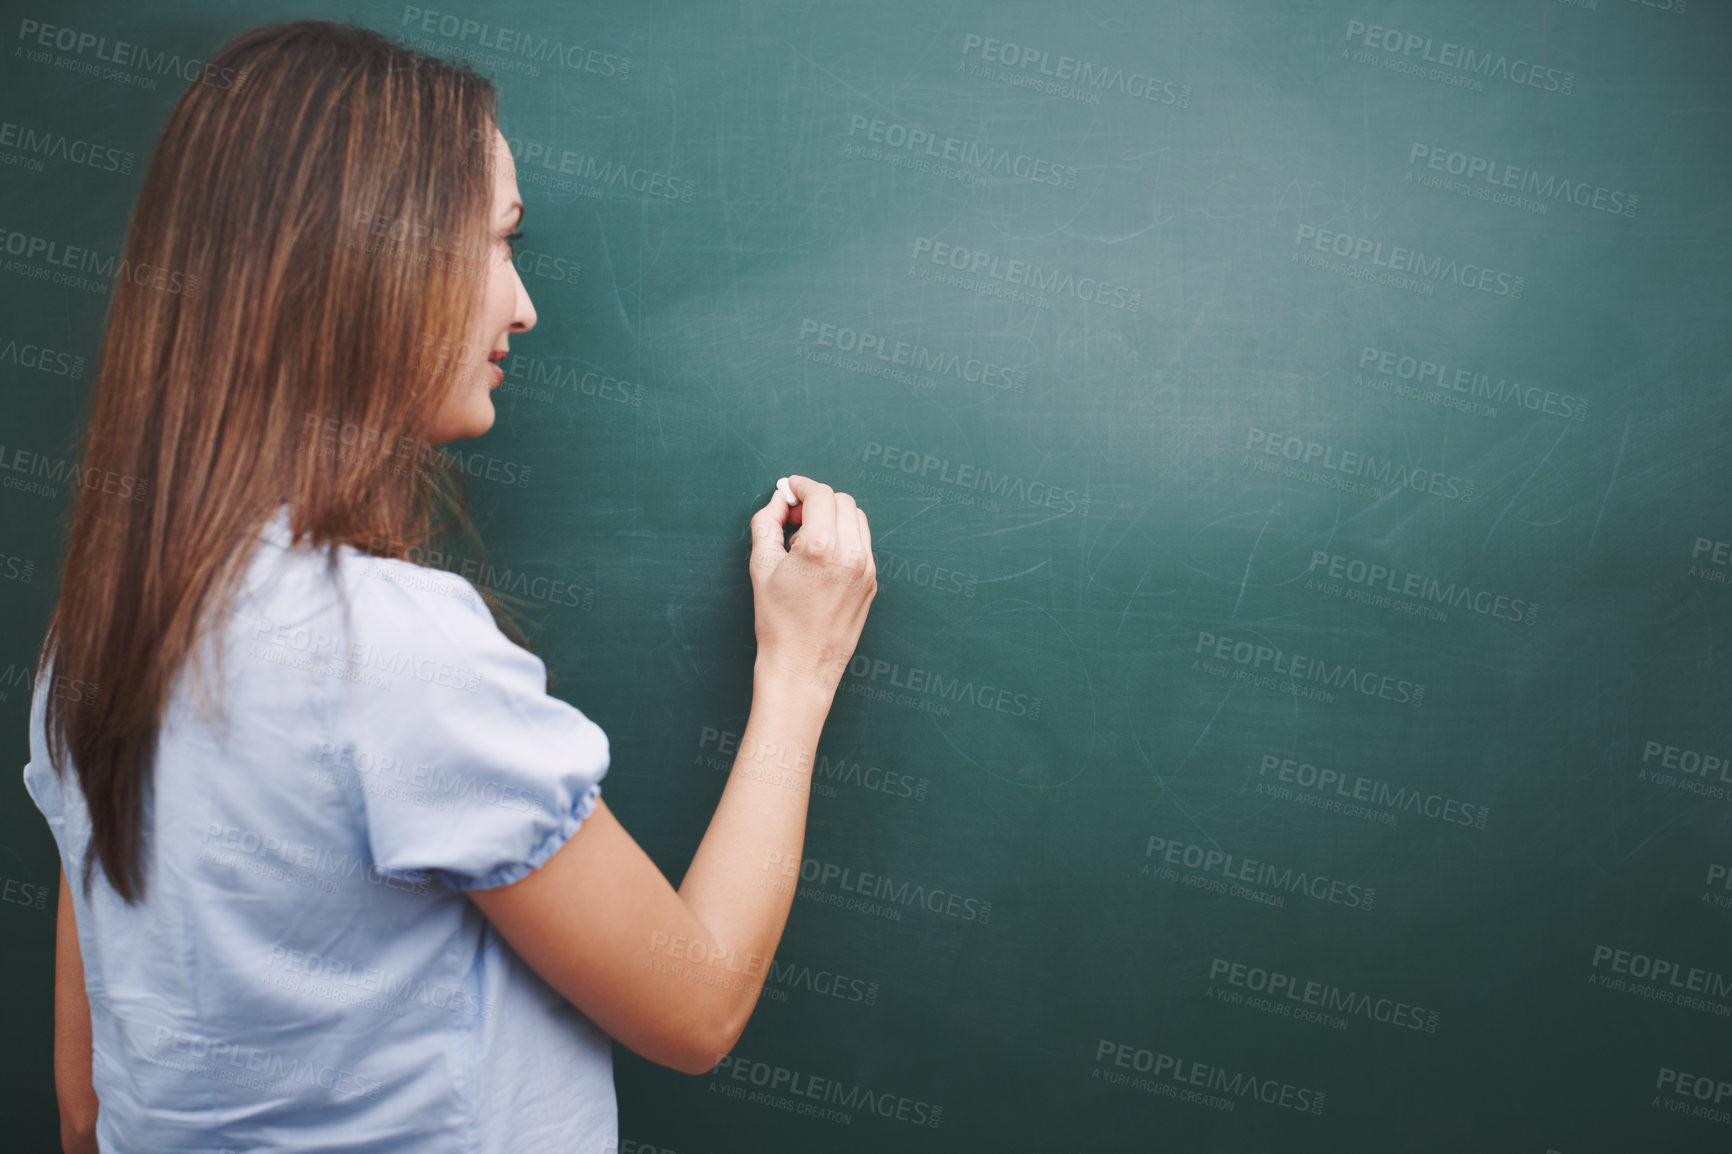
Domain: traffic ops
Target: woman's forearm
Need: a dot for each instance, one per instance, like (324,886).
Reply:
(742,880)
(72,1034)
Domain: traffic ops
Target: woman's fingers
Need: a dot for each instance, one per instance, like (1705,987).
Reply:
(866,540)
(831,525)
(792,511)
(817,536)
(849,551)
(772,519)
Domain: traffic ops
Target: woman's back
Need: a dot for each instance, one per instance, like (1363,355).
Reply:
(304,969)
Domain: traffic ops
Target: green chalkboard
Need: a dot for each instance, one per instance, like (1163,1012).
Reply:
(1294,716)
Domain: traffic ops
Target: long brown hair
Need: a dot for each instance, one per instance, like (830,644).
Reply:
(302,227)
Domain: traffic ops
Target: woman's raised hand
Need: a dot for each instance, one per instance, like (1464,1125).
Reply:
(810,596)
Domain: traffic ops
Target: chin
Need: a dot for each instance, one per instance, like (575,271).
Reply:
(471,424)
(482,421)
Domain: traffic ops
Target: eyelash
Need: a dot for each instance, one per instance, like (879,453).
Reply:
(511,240)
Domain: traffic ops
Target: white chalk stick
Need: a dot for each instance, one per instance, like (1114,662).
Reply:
(787,493)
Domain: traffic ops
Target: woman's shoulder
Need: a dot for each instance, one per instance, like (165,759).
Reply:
(410,587)
(343,614)
(391,591)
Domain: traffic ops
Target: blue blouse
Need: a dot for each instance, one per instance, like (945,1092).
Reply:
(305,971)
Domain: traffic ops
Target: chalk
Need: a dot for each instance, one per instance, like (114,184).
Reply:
(787,493)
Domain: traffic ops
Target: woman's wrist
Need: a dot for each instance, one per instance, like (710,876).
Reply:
(804,689)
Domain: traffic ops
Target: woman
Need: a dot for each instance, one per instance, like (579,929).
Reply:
(344,878)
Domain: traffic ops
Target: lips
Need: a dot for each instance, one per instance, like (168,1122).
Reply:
(498,371)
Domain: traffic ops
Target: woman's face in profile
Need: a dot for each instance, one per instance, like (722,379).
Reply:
(505,309)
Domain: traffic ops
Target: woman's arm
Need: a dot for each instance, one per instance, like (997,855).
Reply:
(674,975)
(72,1034)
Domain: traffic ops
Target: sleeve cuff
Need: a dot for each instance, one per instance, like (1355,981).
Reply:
(550,845)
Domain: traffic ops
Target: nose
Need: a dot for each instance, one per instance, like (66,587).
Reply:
(523,318)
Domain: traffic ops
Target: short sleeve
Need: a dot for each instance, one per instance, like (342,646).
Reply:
(40,781)
(466,767)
